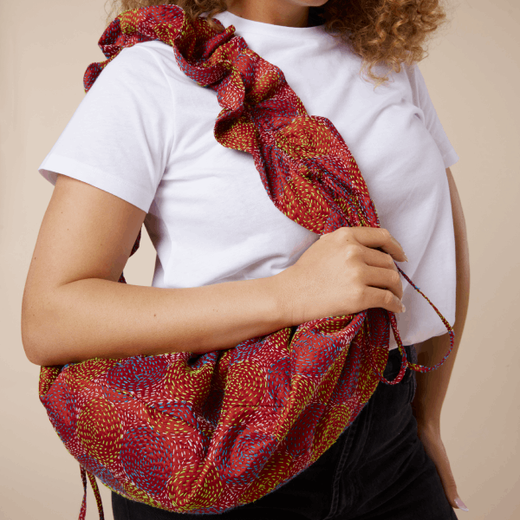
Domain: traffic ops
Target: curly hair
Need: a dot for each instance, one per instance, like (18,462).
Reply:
(381,32)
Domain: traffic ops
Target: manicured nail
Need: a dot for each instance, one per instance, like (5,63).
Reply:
(461,504)
(405,257)
(403,308)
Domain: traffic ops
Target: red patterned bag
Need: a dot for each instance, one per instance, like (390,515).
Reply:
(207,433)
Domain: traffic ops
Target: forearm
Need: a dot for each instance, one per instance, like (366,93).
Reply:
(432,386)
(100,318)
(74,309)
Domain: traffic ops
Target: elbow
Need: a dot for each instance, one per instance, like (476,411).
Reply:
(32,351)
(33,343)
(37,336)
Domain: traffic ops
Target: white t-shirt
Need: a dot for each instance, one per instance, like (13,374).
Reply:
(144,133)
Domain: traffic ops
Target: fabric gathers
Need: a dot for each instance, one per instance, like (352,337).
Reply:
(305,166)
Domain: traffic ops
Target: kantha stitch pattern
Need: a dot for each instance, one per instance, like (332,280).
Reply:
(207,433)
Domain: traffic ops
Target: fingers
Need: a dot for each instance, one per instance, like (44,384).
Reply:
(384,279)
(377,258)
(344,272)
(376,268)
(380,270)
(377,238)
(448,480)
(435,449)
(381,298)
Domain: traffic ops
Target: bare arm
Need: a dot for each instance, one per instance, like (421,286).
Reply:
(74,308)
(432,386)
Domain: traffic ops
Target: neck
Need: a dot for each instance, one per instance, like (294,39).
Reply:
(275,12)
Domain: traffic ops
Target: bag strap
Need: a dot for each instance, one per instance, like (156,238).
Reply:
(304,164)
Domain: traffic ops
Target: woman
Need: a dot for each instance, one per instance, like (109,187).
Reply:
(140,149)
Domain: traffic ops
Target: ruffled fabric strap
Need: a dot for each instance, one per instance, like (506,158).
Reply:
(305,166)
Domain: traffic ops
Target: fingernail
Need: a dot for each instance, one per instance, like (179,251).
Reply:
(405,257)
(403,308)
(461,504)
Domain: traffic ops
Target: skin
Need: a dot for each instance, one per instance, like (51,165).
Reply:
(291,13)
(432,387)
(73,308)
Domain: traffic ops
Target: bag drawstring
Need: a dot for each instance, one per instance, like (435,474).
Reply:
(95,489)
(421,368)
(404,361)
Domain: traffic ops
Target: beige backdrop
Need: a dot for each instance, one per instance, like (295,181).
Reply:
(473,76)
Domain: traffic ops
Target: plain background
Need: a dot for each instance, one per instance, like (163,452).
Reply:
(473,75)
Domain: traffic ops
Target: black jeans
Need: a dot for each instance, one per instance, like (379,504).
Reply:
(376,470)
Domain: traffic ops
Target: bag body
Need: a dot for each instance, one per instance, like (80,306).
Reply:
(205,434)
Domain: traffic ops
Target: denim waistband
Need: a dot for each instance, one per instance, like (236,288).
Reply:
(394,360)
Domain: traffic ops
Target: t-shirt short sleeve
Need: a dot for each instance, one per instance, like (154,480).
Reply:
(431,120)
(119,138)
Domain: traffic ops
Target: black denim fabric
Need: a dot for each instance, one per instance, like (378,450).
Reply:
(376,470)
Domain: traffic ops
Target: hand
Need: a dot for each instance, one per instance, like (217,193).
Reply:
(344,272)
(434,447)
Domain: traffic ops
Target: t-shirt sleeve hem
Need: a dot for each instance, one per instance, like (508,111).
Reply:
(450,158)
(128,191)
